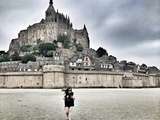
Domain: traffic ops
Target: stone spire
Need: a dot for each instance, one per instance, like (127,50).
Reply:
(51,2)
(87,36)
(84,28)
(50,12)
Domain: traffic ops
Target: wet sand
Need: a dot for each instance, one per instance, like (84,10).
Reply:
(90,104)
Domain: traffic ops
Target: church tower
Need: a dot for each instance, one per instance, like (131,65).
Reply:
(51,13)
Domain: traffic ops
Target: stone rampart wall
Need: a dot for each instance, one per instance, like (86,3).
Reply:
(21,80)
(93,79)
(57,78)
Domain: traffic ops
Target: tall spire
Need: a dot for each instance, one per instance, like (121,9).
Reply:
(84,28)
(50,12)
(51,2)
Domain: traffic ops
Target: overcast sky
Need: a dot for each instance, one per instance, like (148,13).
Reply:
(128,29)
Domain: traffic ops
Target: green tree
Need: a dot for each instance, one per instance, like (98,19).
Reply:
(26,48)
(36,50)
(101,52)
(2,52)
(65,40)
(55,43)
(15,57)
(143,66)
(4,57)
(49,54)
(28,57)
(45,48)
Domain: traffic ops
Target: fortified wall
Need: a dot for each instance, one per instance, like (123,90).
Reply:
(82,66)
(56,77)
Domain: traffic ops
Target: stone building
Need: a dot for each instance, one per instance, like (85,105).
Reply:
(29,67)
(84,60)
(104,63)
(11,66)
(48,29)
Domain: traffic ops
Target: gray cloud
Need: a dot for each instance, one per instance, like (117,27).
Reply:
(139,20)
(121,26)
(124,25)
(17,15)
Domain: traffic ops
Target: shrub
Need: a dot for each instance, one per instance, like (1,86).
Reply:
(65,40)
(49,54)
(4,57)
(45,48)
(15,57)
(28,57)
(101,52)
(26,48)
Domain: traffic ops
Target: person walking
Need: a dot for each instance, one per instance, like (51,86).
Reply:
(68,101)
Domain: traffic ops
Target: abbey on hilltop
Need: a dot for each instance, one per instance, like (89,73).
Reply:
(48,30)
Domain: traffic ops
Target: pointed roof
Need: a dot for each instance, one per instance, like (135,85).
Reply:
(51,7)
(51,2)
(84,27)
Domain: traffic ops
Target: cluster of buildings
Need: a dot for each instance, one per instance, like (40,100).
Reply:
(86,60)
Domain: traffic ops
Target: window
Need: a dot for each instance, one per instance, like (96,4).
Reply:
(101,66)
(87,64)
